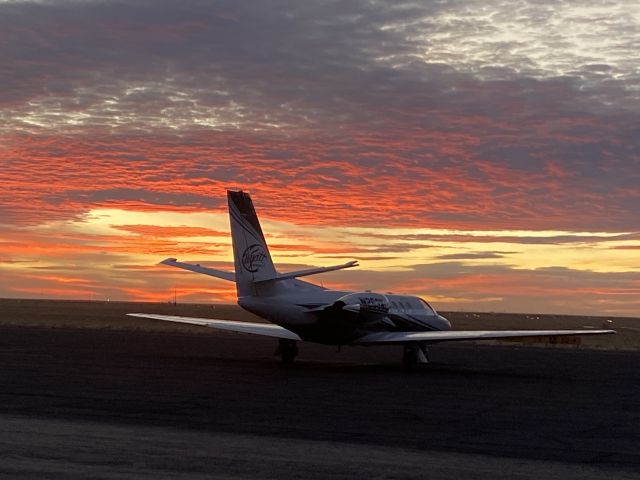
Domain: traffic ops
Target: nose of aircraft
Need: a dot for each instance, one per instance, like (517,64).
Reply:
(444,323)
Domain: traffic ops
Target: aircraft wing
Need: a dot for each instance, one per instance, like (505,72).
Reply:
(453,335)
(265,329)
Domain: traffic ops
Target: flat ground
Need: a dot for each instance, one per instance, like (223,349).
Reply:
(104,396)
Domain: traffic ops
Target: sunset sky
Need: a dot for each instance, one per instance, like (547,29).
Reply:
(482,154)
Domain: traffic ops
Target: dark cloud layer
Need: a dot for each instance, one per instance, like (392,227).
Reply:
(351,90)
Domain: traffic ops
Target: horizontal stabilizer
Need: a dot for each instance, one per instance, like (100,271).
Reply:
(230,276)
(310,271)
(265,329)
(452,335)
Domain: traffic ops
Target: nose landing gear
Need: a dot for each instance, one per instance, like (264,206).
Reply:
(414,355)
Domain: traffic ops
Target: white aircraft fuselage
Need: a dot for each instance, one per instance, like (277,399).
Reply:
(307,315)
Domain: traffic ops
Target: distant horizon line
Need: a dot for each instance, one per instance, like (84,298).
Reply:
(42,299)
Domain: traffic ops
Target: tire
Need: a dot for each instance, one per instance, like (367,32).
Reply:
(410,360)
(288,356)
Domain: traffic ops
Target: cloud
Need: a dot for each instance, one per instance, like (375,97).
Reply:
(466,116)
(166,103)
(170,231)
(188,173)
(473,255)
(524,237)
(284,65)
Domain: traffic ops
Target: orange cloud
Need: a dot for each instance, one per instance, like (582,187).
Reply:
(167,231)
(323,185)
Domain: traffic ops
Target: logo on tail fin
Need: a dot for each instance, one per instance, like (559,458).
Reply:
(253,258)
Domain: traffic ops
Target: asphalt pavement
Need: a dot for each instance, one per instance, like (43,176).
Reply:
(100,403)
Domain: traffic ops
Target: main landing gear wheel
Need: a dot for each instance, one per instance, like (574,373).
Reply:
(414,355)
(287,350)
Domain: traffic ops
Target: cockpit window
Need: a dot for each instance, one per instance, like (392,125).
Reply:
(426,305)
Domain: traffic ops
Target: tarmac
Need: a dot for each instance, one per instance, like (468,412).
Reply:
(108,403)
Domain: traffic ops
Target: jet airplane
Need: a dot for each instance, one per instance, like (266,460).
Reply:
(298,310)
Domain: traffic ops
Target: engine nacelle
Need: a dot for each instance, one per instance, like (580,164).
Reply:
(370,306)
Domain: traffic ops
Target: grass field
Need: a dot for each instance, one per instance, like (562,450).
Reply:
(111,315)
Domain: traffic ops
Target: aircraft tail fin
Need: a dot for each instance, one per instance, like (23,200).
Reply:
(251,255)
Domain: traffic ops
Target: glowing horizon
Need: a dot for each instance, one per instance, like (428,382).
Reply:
(454,269)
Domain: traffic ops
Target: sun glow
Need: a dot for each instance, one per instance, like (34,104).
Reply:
(123,247)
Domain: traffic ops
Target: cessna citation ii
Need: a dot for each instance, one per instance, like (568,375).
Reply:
(300,310)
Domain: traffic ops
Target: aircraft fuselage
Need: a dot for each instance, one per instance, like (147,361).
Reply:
(306,316)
